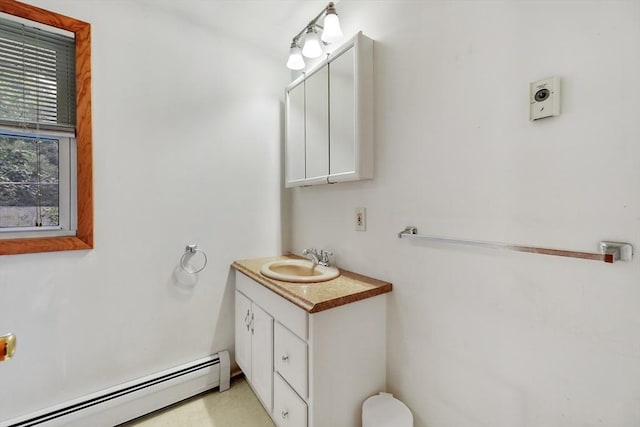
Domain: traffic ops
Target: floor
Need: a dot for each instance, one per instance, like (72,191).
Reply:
(236,407)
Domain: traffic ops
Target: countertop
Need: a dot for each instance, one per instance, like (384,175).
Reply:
(314,297)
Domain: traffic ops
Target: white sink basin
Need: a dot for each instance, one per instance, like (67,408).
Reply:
(298,271)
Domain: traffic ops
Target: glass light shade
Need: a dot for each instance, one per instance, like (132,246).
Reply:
(312,47)
(296,61)
(332,32)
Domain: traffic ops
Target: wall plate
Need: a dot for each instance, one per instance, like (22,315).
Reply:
(361,219)
(544,98)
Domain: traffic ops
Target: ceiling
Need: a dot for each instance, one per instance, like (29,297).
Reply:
(269,24)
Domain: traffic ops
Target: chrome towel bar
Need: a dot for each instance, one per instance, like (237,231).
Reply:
(609,251)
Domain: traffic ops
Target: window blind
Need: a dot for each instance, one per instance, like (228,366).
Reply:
(37,78)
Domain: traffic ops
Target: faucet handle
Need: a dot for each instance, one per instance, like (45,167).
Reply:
(324,257)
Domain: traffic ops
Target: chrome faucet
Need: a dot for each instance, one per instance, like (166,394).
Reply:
(311,254)
(319,258)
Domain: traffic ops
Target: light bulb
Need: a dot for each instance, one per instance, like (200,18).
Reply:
(296,61)
(312,47)
(332,32)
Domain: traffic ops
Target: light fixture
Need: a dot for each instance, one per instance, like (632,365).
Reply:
(312,47)
(331,32)
(296,61)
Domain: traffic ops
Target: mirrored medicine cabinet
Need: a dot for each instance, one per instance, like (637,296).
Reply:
(329,118)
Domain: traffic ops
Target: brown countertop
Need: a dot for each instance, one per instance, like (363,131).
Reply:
(314,297)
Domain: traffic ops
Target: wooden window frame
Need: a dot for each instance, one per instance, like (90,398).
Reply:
(84,235)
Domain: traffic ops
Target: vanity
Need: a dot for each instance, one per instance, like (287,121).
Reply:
(312,352)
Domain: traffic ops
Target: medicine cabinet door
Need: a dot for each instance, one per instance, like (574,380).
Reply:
(317,126)
(295,137)
(342,138)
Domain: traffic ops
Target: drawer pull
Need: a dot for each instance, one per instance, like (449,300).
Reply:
(285,414)
(285,358)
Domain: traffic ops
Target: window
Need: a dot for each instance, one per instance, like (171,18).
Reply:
(36,185)
(37,111)
(45,132)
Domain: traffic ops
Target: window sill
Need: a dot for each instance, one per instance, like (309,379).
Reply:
(44,244)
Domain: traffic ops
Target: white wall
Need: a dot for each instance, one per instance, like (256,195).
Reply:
(479,337)
(186,150)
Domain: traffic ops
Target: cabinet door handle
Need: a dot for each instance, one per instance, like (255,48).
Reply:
(252,330)
(247,320)
(285,414)
(285,358)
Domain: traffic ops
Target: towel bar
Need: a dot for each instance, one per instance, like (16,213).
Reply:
(609,251)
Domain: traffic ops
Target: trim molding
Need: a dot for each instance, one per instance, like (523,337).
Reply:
(84,137)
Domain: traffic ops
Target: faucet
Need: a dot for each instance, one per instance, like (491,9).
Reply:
(319,258)
(311,254)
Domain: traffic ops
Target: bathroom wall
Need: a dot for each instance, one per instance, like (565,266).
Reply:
(480,337)
(186,150)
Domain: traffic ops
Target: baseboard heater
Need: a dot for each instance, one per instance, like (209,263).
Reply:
(133,399)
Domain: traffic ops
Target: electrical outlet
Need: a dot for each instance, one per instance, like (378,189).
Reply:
(361,219)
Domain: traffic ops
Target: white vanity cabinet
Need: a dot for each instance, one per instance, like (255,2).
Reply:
(323,365)
(329,118)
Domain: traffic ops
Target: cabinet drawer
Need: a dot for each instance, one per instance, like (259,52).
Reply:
(288,409)
(291,359)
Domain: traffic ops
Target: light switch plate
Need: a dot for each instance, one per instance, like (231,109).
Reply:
(361,219)
(544,98)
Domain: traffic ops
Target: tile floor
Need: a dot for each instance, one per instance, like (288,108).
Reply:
(236,407)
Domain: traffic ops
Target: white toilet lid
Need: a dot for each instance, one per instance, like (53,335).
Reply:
(384,410)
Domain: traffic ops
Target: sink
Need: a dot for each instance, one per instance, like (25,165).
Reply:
(298,271)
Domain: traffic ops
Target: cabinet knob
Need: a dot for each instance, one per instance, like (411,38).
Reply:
(285,358)
(285,414)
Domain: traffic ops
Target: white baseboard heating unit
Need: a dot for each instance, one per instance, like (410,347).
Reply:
(133,399)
